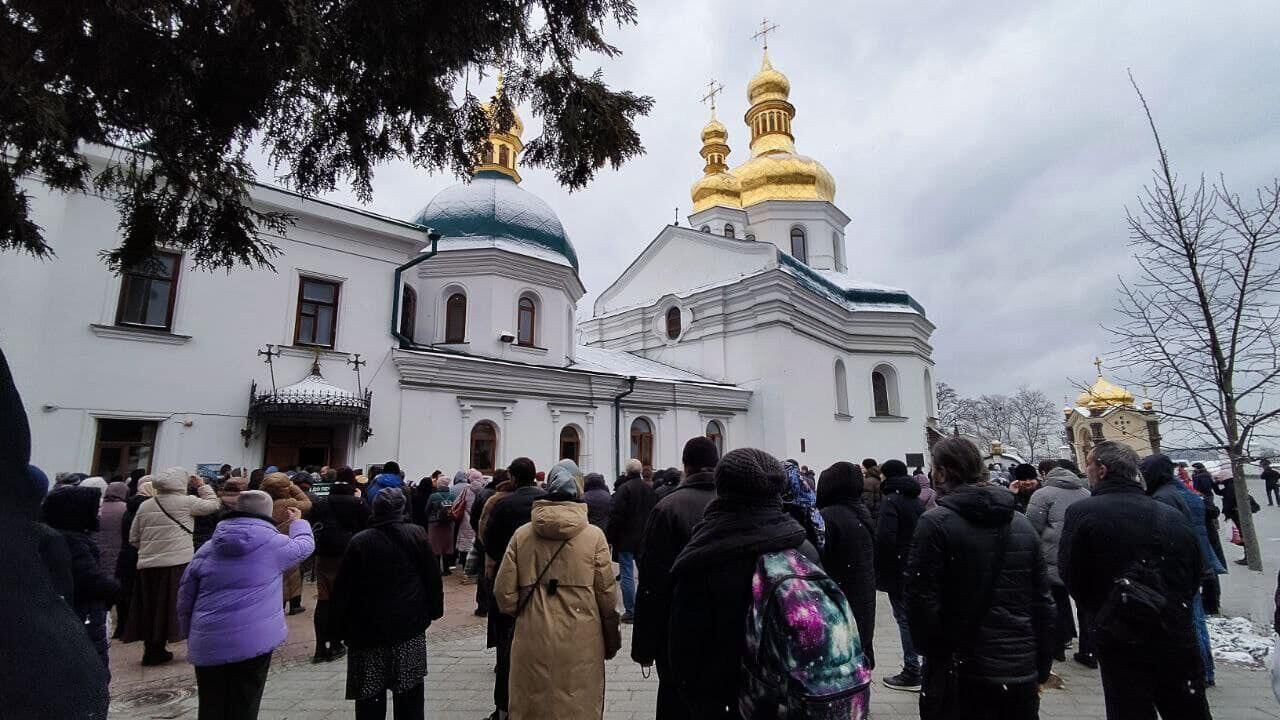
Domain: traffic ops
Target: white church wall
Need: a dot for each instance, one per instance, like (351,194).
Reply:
(69,355)
(772,222)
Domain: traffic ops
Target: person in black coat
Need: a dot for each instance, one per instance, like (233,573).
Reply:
(505,517)
(668,531)
(849,553)
(900,509)
(386,594)
(632,503)
(73,511)
(1107,537)
(599,501)
(48,667)
(335,519)
(978,597)
(711,580)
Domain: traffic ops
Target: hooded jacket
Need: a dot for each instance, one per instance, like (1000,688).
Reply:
(1163,487)
(284,495)
(952,561)
(849,553)
(899,511)
(1119,525)
(73,512)
(562,636)
(229,600)
(711,593)
(162,530)
(669,529)
(1047,511)
(599,501)
(338,517)
(110,520)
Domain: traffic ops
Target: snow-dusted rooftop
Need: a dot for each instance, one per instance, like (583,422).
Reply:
(621,362)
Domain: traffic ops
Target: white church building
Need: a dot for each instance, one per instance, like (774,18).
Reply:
(450,340)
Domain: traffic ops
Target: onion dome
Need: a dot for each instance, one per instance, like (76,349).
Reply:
(493,209)
(776,171)
(1104,394)
(717,186)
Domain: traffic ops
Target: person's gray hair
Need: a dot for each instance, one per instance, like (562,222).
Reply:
(1120,460)
(634,467)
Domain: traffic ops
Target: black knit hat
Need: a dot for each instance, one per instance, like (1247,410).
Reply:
(751,473)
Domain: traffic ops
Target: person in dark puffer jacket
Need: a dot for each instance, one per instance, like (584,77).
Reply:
(337,517)
(1103,538)
(73,511)
(669,528)
(849,553)
(900,509)
(599,501)
(1000,652)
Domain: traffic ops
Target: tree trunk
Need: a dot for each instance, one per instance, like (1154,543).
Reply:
(1244,513)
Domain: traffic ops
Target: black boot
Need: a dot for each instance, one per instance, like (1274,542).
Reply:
(155,654)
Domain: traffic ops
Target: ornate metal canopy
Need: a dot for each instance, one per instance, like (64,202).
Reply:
(310,400)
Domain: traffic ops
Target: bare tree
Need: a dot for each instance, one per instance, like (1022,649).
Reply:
(949,407)
(1035,418)
(1200,320)
(991,416)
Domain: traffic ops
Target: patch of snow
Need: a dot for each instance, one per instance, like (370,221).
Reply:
(849,282)
(1237,640)
(511,245)
(621,362)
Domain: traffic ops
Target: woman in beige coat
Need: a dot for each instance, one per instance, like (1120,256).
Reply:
(556,579)
(162,532)
(284,495)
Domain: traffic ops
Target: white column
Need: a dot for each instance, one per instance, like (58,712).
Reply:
(500,454)
(555,436)
(465,451)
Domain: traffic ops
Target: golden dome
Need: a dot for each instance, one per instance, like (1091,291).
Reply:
(717,186)
(714,131)
(504,146)
(775,170)
(1105,394)
(768,84)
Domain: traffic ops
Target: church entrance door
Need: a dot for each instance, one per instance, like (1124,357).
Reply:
(289,446)
(642,441)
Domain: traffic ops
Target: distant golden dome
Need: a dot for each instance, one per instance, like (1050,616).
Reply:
(503,147)
(717,186)
(715,131)
(768,84)
(1105,394)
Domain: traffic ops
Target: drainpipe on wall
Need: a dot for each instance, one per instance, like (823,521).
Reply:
(617,425)
(405,341)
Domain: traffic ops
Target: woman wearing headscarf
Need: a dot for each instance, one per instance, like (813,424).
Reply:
(73,511)
(110,520)
(162,532)
(800,500)
(285,495)
(557,580)
(464,538)
(126,570)
(387,593)
(440,521)
(849,553)
(229,603)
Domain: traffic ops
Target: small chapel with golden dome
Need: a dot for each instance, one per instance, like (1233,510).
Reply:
(1106,411)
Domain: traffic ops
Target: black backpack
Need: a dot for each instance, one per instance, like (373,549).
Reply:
(1136,610)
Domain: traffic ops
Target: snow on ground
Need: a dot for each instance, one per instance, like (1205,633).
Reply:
(1236,640)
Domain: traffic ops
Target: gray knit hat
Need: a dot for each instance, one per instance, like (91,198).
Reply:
(254,502)
(389,504)
(750,473)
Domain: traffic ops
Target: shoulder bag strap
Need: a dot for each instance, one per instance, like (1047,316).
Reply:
(538,581)
(174,519)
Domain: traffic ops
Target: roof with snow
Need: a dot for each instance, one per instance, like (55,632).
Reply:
(621,362)
(844,290)
(493,211)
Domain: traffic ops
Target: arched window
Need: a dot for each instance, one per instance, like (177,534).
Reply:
(930,397)
(503,156)
(484,447)
(728,231)
(642,441)
(408,312)
(527,321)
(799,247)
(673,323)
(884,391)
(837,243)
(455,319)
(842,388)
(493,152)
(570,444)
(715,433)
(751,237)
(705,229)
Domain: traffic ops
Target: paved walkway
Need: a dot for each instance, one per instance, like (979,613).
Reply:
(460,682)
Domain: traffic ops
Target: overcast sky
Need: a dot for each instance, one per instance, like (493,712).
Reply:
(985,151)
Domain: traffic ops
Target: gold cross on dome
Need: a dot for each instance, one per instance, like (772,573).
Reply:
(713,89)
(763,32)
(1097,361)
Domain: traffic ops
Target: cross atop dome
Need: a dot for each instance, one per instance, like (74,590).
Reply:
(763,33)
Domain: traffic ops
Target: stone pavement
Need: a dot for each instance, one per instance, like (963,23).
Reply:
(460,682)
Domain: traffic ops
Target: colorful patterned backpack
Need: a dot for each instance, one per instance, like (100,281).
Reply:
(803,657)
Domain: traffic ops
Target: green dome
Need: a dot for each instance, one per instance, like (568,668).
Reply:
(493,206)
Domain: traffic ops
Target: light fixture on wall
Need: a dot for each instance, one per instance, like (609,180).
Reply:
(506,336)
(49,407)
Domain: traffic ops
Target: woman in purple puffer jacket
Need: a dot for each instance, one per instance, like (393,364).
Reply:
(229,604)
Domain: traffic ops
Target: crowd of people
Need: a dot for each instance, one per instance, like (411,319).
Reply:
(751,582)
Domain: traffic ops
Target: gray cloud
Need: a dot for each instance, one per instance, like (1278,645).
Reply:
(985,151)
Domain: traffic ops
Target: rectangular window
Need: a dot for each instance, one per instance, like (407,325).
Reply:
(123,445)
(147,292)
(317,312)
